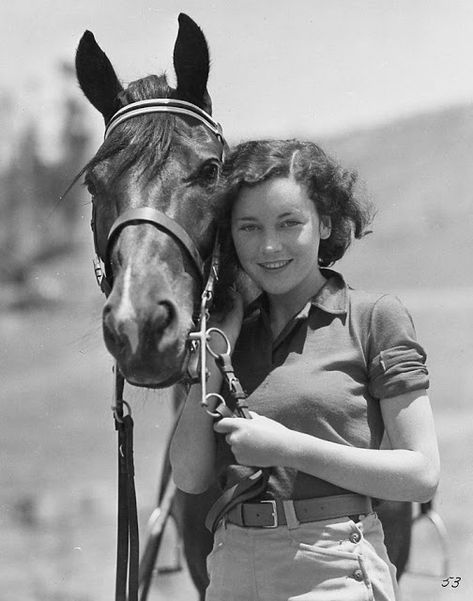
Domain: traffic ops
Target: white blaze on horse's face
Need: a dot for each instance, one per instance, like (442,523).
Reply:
(126,313)
(153,162)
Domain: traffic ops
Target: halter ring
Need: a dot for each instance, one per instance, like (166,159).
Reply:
(115,411)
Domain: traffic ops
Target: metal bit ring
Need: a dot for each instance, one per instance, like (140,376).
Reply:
(205,403)
(224,336)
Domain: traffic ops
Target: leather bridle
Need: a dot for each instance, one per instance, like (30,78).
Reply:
(127,580)
(151,215)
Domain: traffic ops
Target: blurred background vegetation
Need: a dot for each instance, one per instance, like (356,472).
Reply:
(35,226)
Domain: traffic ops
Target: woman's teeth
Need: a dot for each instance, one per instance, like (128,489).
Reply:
(274,264)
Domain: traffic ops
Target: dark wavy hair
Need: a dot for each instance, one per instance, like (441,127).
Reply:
(332,189)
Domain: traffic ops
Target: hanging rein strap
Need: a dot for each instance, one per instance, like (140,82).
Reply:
(126,585)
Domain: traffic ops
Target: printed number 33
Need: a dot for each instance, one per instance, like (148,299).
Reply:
(452,581)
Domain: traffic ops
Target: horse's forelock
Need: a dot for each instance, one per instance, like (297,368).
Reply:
(152,86)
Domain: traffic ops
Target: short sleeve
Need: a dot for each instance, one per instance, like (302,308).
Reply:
(396,359)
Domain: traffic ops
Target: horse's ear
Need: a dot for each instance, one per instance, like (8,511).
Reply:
(97,77)
(191,63)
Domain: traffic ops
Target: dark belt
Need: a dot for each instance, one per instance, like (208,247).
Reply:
(271,513)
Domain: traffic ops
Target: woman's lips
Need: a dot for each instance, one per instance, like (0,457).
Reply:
(274,265)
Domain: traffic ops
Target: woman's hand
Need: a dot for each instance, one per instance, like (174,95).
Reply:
(258,442)
(230,323)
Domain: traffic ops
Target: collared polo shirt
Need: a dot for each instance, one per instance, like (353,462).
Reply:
(324,375)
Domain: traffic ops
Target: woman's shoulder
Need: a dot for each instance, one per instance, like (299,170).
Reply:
(379,305)
(362,301)
(365,300)
(376,310)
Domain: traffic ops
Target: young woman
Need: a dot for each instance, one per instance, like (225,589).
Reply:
(337,389)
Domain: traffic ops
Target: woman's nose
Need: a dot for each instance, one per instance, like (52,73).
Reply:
(271,242)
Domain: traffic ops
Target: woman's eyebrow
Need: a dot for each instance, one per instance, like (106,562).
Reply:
(291,213)
(247,218)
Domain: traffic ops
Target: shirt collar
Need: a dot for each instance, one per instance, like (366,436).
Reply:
(331,298)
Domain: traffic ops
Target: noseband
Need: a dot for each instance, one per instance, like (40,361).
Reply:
(151,215)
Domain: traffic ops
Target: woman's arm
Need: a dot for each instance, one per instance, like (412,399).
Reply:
(192,450)
(409,471)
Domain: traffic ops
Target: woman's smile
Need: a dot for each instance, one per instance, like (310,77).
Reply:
(274,265)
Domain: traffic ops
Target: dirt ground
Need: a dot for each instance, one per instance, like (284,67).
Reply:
(57,448)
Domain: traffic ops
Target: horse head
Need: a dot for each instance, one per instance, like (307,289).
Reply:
(153,165)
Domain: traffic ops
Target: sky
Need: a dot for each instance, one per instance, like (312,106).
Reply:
(279,67)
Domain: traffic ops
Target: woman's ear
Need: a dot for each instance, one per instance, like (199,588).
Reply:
(325,227)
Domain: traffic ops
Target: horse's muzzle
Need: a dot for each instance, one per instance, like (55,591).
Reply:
(148,348)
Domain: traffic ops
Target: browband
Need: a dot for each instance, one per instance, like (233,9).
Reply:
(163,105)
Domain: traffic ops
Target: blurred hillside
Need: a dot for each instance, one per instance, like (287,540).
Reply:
(418,173)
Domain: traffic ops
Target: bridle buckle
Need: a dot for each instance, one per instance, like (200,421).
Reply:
(98,270)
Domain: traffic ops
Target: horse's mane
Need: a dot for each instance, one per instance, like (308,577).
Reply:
(141,146)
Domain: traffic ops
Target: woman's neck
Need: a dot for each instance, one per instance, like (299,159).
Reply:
(283,307)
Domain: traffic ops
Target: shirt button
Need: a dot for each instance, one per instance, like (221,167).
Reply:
(355,537)
(358,575)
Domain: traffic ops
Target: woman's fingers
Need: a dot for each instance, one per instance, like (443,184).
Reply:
(226,425)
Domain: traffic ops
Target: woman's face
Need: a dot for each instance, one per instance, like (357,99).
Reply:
(276,232)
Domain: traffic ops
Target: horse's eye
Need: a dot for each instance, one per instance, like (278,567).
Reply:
(209,173)
(91,187)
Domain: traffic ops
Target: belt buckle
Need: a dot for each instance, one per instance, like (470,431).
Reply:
(274,513)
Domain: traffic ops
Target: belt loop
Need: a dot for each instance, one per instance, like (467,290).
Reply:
(240,514)
(290,513)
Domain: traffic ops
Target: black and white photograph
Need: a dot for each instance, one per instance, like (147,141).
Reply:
(236,300)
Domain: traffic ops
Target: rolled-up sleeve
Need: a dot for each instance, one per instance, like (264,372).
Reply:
(396,359)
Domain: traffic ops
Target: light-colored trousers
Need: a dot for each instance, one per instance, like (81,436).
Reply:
(319,561)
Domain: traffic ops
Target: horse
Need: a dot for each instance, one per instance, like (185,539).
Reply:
(153,164)
(168,163)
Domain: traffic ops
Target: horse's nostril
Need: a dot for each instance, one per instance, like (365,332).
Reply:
(112,337)
(166,314)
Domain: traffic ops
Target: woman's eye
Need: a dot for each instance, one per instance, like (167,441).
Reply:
(289,223)
(209,173)
(248,228)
